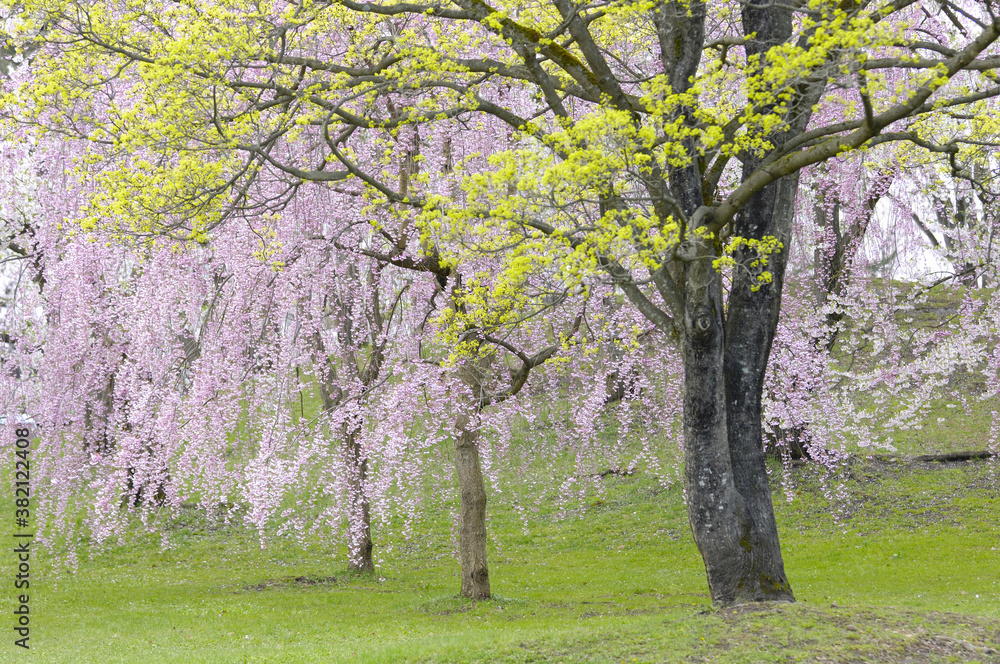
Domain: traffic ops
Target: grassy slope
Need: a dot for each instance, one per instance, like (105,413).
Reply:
(910,565)
(949,424)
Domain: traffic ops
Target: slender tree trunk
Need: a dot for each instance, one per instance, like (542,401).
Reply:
(97,416)
(359,536)
(472,519)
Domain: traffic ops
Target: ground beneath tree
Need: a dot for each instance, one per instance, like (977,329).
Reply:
(893,561)
(784,633)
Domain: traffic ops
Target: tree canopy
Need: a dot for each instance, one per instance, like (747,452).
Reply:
(523,154)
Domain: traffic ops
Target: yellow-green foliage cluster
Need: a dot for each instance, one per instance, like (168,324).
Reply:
(558,179)
(136,201)
(751,255)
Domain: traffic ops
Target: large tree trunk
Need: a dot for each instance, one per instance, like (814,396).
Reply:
(728,490)
(751,323)
(725,356)
(359,536)
(729,497)
(715,509)
(723,520)
(472,520)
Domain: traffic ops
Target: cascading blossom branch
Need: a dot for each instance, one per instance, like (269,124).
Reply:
(862,353)
(165,375)
(229,375)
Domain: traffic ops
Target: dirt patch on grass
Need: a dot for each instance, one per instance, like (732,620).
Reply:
(784,633)
(891,490)
(734,612)
(291,581)
(946,647)
(838,635)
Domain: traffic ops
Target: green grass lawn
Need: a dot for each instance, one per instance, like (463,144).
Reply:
(903,568)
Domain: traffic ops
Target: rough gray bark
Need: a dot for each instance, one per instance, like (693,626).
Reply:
(755,570)
(729,497)
(715,509)
(725,355)
(751,324)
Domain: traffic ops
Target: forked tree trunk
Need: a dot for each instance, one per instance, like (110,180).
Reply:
(472,517)
(725,357)
(722,519)
(729,497)
(359,536)
(752,320)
